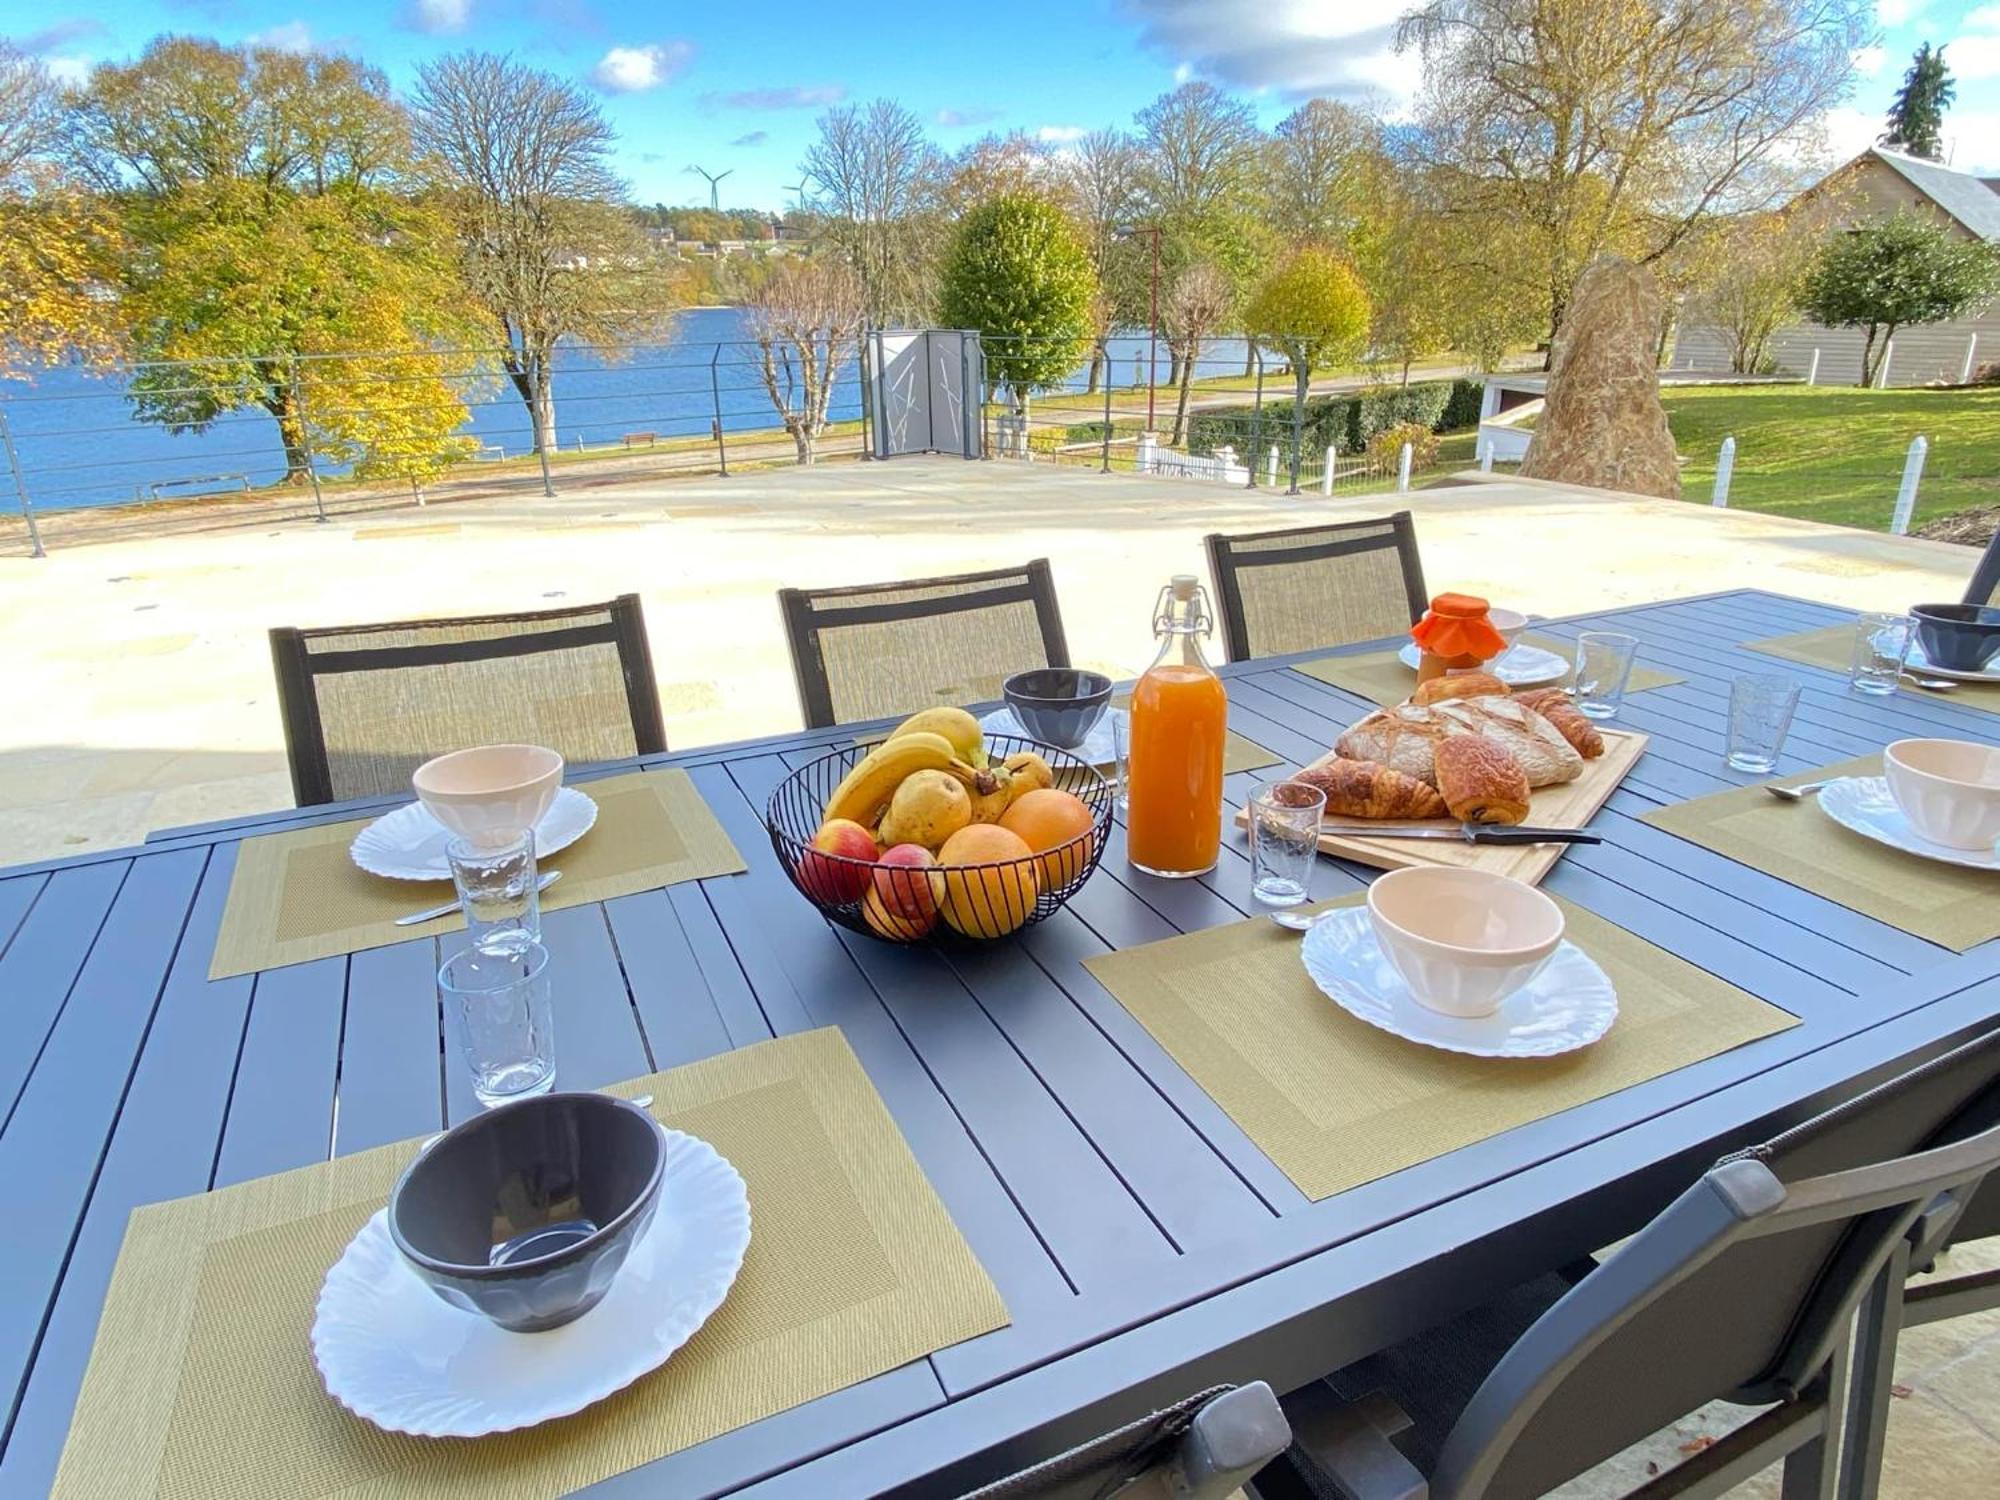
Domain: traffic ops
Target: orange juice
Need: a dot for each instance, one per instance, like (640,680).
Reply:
(1180,715)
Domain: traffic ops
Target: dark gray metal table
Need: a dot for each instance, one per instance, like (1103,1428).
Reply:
(1144,1247)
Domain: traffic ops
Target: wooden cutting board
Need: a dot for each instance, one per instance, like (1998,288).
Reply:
(1571,805)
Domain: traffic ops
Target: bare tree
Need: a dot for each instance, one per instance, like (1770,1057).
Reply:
(1195,307)
(1620,127)
(805,319)
(1198,151)
(1317,169)
(875,180)
(522,161)
(30,112)
(1100,180)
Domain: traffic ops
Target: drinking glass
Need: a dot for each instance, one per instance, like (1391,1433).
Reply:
(498,888)
(496,1005)
(1880,644)
(1121,755)
(1603,666)
(1760,716)
(1284,837)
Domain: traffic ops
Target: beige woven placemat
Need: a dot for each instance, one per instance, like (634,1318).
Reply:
(1334,1102)
(1832,647)
(297,895)
(1802,846)
(202,1382)
(1379,677)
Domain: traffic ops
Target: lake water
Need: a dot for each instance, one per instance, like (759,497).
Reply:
(80,446)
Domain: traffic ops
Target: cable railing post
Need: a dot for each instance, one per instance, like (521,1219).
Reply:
(1725,467)
(21,489)
(867,396)
(1906,495)
(305,441)
(715,390)
(1298,436)
(1256,418)
(1104,353)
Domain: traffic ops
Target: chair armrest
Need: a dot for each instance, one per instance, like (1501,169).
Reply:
(1230,1439)
(1348,1442)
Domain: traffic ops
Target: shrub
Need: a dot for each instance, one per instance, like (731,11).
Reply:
(1461,407)
(1987,374)
(1345,423)
(1385,447)
(1383,407)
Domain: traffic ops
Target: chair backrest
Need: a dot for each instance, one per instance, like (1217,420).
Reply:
(1740,1289)
(872,650)
(1317,586)
(1201,1448)
(364,705)
(1985,585)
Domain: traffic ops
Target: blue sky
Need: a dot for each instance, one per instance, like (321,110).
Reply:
(736,86)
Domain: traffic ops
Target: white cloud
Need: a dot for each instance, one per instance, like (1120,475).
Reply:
(1896,12)
(1294,47)
(1975,53)
(1868,61)
(632,70)
(965,119)
(1059,135)
(1972,140)
(287,36)
(1850,131)
(810,96)
(436,17)
(71,70)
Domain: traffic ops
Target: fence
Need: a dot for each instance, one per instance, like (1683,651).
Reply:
(1899,491)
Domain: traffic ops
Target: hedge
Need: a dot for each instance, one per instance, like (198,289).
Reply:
(1346,422)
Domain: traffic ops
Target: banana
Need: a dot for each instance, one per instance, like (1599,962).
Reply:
(865,791)
(958,727)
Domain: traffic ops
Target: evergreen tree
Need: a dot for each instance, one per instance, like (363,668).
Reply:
(1916,117)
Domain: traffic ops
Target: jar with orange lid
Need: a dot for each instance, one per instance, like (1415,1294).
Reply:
(1455,635)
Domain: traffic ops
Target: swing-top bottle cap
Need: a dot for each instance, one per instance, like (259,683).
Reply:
(1184,585)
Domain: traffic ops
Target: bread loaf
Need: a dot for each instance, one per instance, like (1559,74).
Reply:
(1404,738)
(1367,789)
(1480,782)
(1460,685)
(1554,705)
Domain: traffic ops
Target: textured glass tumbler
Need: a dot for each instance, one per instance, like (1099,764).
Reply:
(1284,839)
(1760,716)
(1603,667)
(500,892)
(1881,642)
(496,1007)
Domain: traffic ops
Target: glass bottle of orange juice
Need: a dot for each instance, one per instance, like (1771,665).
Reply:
(1180,716)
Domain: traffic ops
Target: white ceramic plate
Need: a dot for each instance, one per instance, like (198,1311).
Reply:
(1863,804)
(1096,749)
(1522,666)
(1916,661)
(409,844)
(1570,1004)
(393,1352)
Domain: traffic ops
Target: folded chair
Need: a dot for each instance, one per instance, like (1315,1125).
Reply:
(1200,1448)
(1741,1290)
(365,705)
(874,650)
(1318,586)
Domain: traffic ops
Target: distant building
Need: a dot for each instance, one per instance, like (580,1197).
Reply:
(1874,185)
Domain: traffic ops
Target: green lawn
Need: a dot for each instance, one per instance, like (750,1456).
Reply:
(1834,453)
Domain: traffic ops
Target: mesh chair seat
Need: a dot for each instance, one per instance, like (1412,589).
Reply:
(877,650)
(365,705)
(1317,587)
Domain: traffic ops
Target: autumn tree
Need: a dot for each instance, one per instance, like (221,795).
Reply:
(266,195)
(1916,114)
(1314,311)
(875,182)
(1018,272)
(520,160)
(1193,309)
(1750,277)
(1318,167)
(1620,124)
(1905,269)
(1403,252)
(805,318)
(1100,180)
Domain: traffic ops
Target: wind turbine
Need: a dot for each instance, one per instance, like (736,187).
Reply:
(714,198)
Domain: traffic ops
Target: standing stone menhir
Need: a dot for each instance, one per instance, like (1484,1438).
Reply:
(1603,424)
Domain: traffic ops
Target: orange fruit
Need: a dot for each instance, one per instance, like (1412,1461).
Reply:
(988,902)
(1058,826)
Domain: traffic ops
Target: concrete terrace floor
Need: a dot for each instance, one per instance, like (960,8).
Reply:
(140,679)
(140,689)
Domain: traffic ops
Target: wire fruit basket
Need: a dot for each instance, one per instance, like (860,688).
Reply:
(901,903)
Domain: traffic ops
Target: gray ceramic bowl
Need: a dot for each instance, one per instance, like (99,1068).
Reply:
(1059,705)
(1958,637)
(525,1213)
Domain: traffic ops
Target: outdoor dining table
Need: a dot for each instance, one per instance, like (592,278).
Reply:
(1144,1247)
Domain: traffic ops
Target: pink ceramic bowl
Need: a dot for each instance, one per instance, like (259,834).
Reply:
(1463,940)
(490,794)
(1509,622)
(1948,789)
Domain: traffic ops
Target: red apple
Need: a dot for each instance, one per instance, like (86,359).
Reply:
(905,890)
(836,881)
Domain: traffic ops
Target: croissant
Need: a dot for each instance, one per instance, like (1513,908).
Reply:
(1368,789)
(1460,685)
(1553,704)
(1480,782)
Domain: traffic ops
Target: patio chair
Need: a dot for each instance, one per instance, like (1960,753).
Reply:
(1200,1448)
(1740,1290)
(364,705)
(1318,586)
(875,650)
(1985,585)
